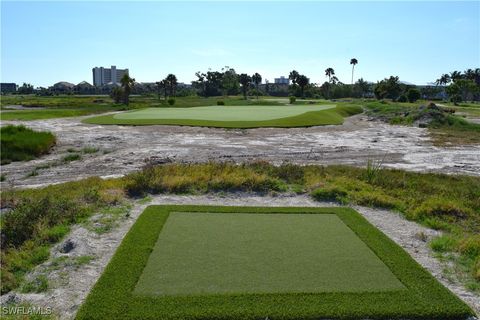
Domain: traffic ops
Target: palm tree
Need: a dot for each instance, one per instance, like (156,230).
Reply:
(159,88)
(302,82)
(443,80)
(329,72)
(294,76)
(171,80)
(245,81)
(353,62)
(127,84)
(455,75)
(257,79)
(363,86)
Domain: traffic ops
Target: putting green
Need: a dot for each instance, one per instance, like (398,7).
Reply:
(218,253)
(222,113)
(251,116)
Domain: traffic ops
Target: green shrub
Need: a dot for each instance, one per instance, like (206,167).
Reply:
(413,95)
(292,99)
(220,103)
(402,98)
(171,101)
(30,217)
(456,98)
(19,143)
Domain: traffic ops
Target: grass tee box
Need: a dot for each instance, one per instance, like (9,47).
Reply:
(202,262)
(249,116)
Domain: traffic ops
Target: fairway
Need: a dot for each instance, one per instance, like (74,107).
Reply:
(222,113)
(248,116)
(198,253)
(205,262)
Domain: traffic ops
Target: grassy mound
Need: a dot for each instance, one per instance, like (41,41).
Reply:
(19,143)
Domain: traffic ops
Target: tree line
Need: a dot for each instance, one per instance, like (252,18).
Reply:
(460,86)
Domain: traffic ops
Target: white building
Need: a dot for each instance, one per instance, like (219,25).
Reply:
(102,76)
(282,80)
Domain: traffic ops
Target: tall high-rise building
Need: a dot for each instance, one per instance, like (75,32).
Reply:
(282,80)
(102,76)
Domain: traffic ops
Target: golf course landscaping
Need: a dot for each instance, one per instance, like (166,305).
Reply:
(248,116)
(210,262)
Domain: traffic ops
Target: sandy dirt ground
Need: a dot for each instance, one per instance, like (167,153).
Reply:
(123,149)
(70,284)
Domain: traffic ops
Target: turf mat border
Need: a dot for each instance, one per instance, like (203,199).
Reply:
(112,297)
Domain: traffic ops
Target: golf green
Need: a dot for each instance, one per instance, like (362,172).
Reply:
(210,253)
(222,113)
(249,116)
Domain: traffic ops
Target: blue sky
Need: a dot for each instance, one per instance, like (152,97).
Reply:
(46,42)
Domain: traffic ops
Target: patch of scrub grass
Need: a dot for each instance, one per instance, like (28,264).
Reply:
(89,149)
(443,202)
(32,173)
(108,218)
(41,217)
(36,285)
(212,177)
(19,143)
(445,243)
(65,261)
(113,295)
(3,177)
(145,200)
(445,128)
(72,157)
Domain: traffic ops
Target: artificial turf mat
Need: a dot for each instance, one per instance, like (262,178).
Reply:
(115,295)
(209,253)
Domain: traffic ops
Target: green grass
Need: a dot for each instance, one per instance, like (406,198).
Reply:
(74,106)
(42,216)
(421,297)
(19,143)
(234,117)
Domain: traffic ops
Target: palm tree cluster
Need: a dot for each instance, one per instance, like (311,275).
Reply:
(469,74)
(461,86)
(169,86)
(299,79)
